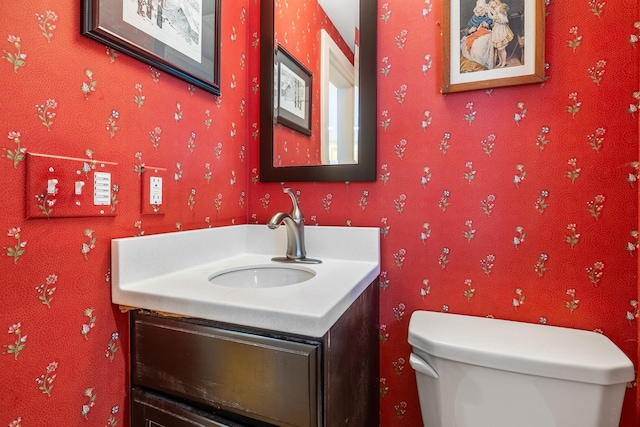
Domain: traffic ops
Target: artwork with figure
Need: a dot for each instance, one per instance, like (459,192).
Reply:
(176,23)
(292,92)
(491,34)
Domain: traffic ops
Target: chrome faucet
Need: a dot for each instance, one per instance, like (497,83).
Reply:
(294,224)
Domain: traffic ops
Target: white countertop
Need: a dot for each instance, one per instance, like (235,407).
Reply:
(169,273)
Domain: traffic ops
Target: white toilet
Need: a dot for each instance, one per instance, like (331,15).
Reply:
(480,372)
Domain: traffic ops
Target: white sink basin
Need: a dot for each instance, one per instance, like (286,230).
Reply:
(261,276)
(176,273)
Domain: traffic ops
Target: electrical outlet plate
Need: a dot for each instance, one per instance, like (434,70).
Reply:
(153,199)
(62,187)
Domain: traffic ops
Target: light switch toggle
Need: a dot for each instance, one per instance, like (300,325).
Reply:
(51,186)
(78,187)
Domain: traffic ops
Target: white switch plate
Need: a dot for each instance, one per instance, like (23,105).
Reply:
(155,193)
(101,188)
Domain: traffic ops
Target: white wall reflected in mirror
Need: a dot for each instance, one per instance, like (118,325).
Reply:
(338,104)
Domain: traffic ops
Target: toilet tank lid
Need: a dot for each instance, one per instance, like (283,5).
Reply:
(527,348)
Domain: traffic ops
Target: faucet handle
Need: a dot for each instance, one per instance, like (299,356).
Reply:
(296,214)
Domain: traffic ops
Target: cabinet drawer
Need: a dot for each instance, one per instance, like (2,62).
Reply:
(267,379)
(150,410)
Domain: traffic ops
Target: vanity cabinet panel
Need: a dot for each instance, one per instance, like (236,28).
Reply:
(272,380)
(351,365)
(256,377)
(150,410)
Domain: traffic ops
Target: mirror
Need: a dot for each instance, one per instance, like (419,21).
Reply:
(297,111)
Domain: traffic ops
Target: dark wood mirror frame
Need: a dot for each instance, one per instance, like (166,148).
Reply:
(365,169)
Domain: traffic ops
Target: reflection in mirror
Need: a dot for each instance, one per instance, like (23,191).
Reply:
(321,35)
(324,36)
(338,104)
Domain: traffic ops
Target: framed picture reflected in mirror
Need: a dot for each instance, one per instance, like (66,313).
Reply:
(292,92)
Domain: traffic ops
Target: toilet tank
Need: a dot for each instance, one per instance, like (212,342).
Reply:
(479,372)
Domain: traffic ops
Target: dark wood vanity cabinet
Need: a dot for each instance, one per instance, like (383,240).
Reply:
(194,372)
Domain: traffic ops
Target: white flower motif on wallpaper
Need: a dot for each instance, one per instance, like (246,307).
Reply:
(177,116)
(385,175)
(398,311)
(428,7)
(572,303)
(444,143)
(177,175)
(90,86)
(91,244)
(16,155)
(154,136)
(139,167)
(191,143)
(113,421)
(18,249)
(468,291)
(45,291)
(541,265)
(596,7)
(138,97)
(595,273)
(470,174)
(399,257)
(632,315)
(91,396)
(443,259)
(633,108)
(487,264)
(386,12)
(91,323)
(576,40)
(597,72)
(521,114)
(46,23)
(17,59)
(425,233)
(519,238)
(20,340)
(45,112)
(634,37)
(469,233)
(398,365)
(45,381)
(112,123)
(596,206)
(488,144)
(633,246)
(471,115)
(542,140)
(596,139)
(574,108)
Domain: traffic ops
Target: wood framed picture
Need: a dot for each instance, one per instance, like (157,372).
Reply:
(180,37)
(492,43)
(293,92)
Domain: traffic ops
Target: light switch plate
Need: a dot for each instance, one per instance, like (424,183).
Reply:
(153,199)
(59,187)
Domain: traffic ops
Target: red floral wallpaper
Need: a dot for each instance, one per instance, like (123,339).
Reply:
(298,28)
(518,203)
(63,345)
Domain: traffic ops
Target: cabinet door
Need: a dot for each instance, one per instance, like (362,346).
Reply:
(271,380)
(150,410)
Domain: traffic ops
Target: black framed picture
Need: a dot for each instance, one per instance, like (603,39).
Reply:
(180,37)
(293,92)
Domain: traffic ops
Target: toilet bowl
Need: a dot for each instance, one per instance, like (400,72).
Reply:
(481,372)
